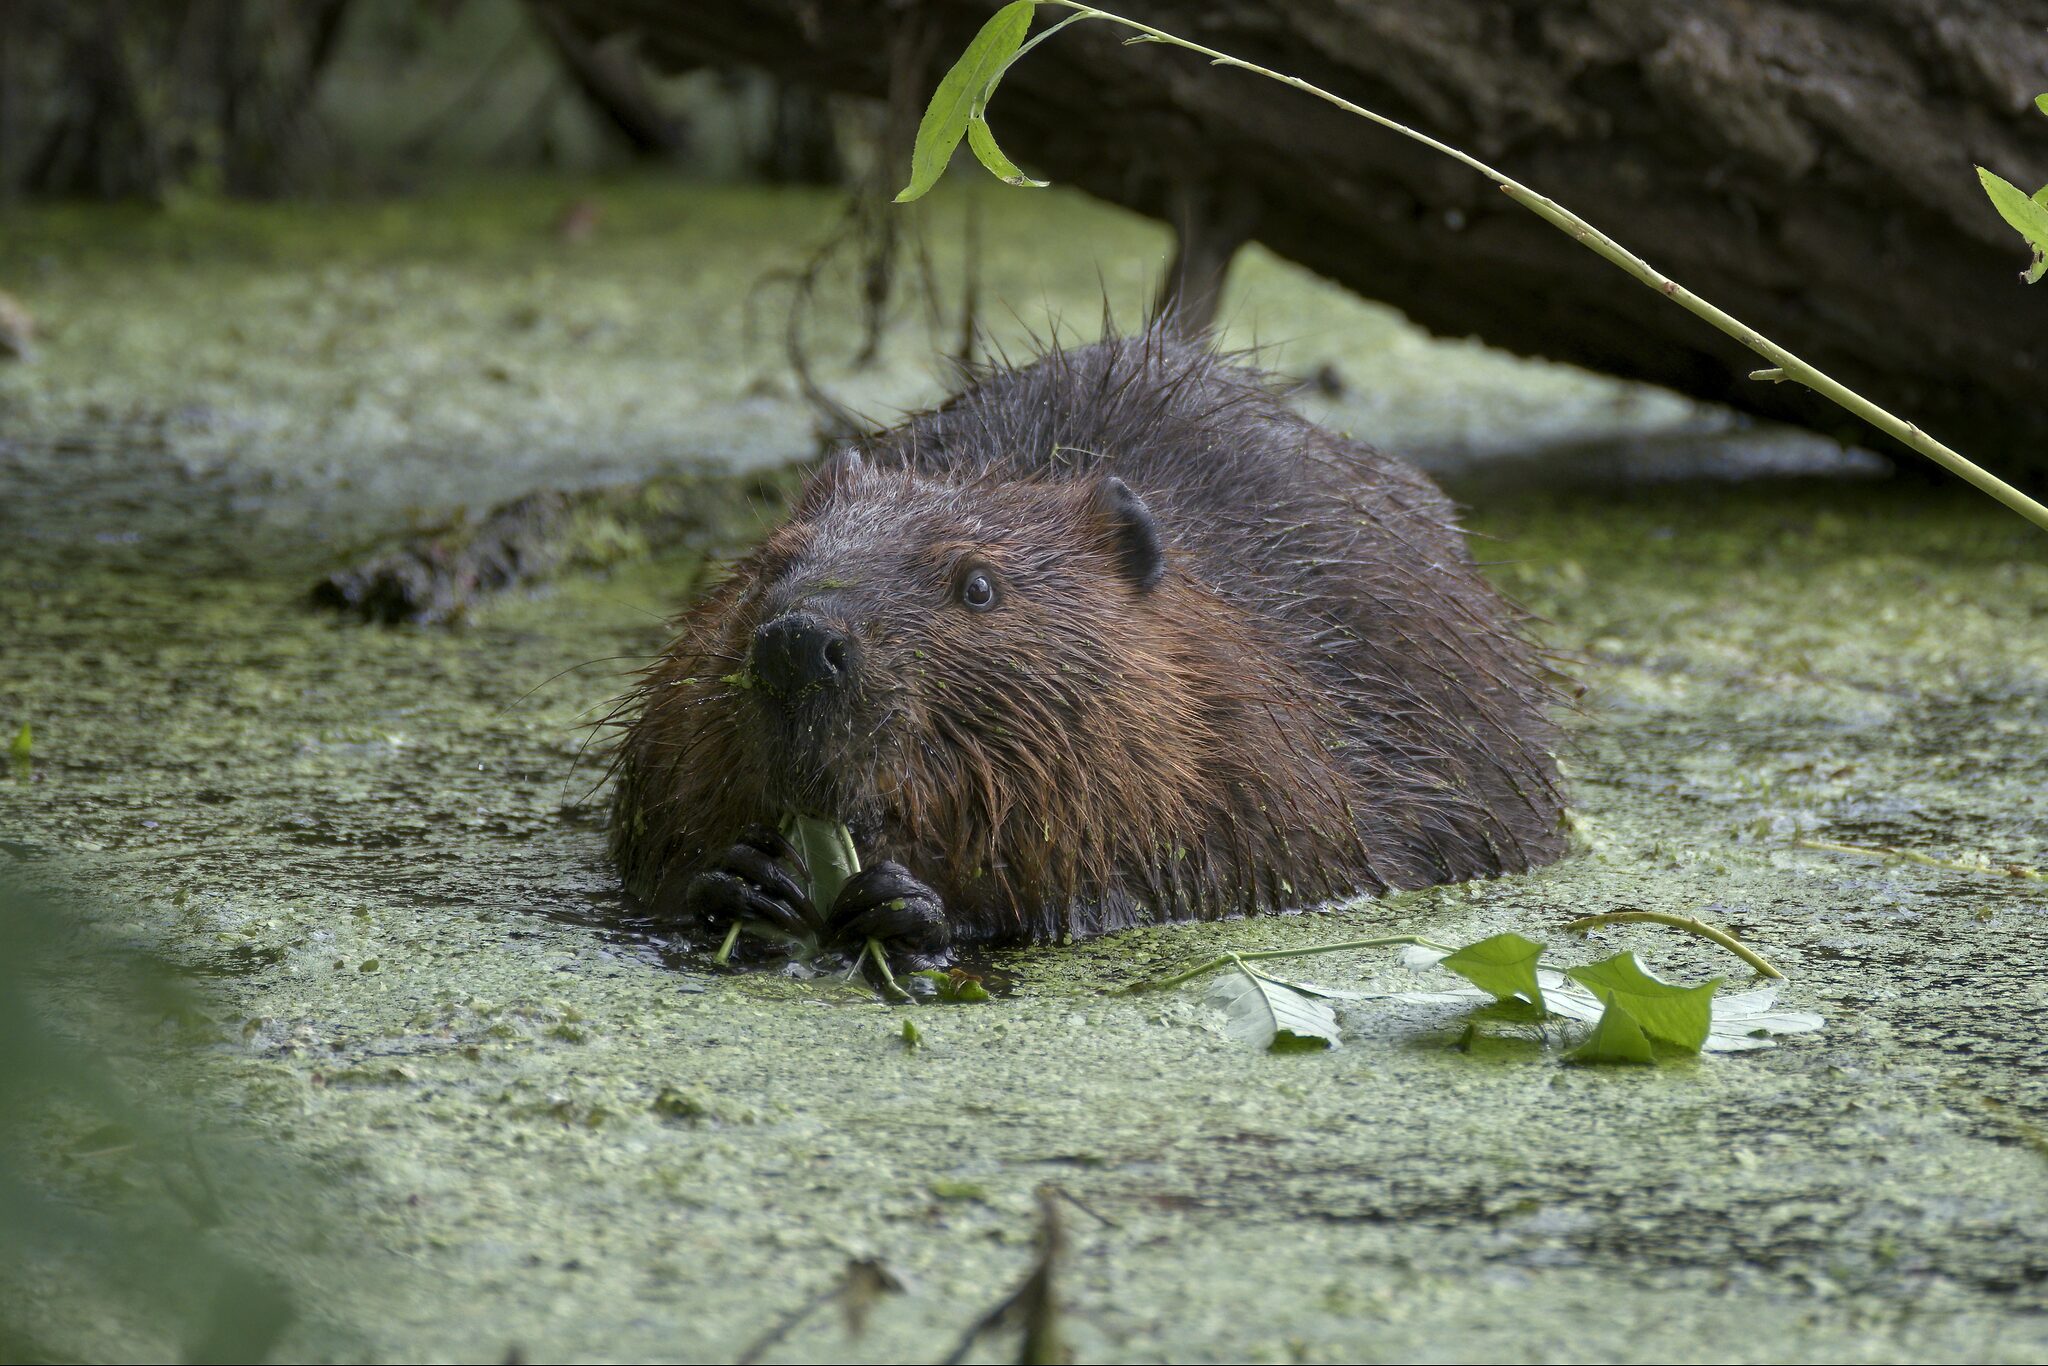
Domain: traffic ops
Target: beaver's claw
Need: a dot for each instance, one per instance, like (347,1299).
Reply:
(750,882)
(885,901)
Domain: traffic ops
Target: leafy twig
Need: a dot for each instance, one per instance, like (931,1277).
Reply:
(1265,955)
(1886,851)
(1690,924)
(959,106)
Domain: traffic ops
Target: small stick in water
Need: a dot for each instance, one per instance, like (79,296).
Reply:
(1690,924)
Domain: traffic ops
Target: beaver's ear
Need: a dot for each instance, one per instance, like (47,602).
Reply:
(838,472)
(1140,554)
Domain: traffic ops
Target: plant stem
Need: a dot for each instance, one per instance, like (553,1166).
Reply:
(1690,925)
(1789,366)
(725,950)
(1264,955)
(1886,851)
(879,956)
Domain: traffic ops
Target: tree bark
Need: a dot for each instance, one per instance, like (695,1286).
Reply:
(1806,164)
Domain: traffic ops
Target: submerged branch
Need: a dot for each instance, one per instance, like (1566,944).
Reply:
(1893,854)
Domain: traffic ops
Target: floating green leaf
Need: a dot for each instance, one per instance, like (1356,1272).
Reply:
(1680,1017)
(912,1036)
(954,986)
(1741,1021)
(1617,1038)
(960,95)
(1270,1014)
(2028,217)
(19,750)
(2041,103)
(1503,966)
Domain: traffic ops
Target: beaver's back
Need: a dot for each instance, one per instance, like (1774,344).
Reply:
(1347,558)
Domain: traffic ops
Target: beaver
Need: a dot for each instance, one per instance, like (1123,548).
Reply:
(1110,638)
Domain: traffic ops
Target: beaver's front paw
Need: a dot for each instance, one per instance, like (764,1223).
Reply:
(885,901)
(751,882)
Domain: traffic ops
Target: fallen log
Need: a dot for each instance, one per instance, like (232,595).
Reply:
(1805,164)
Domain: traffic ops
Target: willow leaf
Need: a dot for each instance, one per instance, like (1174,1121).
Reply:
(984,144)
(960,94)
(828,854)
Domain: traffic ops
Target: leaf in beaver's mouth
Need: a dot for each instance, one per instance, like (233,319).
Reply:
(827,850)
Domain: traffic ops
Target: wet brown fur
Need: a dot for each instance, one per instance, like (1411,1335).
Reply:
(1320,697)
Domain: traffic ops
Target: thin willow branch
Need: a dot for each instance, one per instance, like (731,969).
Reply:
(1787,365)
(1690,924)
(1891,854)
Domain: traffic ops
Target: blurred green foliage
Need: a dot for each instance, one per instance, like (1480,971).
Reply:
(117,1197)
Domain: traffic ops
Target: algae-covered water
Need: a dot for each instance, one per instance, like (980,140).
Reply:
(452,1106)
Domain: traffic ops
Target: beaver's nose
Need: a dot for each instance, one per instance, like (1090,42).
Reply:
(797,652)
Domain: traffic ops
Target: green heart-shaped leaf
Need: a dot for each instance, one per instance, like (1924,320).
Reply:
(1617,1038)
(1504,966)
(1676,1016)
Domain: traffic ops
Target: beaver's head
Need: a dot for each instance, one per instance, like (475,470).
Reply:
(911,643)
(1006,684)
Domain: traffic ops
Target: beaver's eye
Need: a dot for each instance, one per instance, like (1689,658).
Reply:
(978,591)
